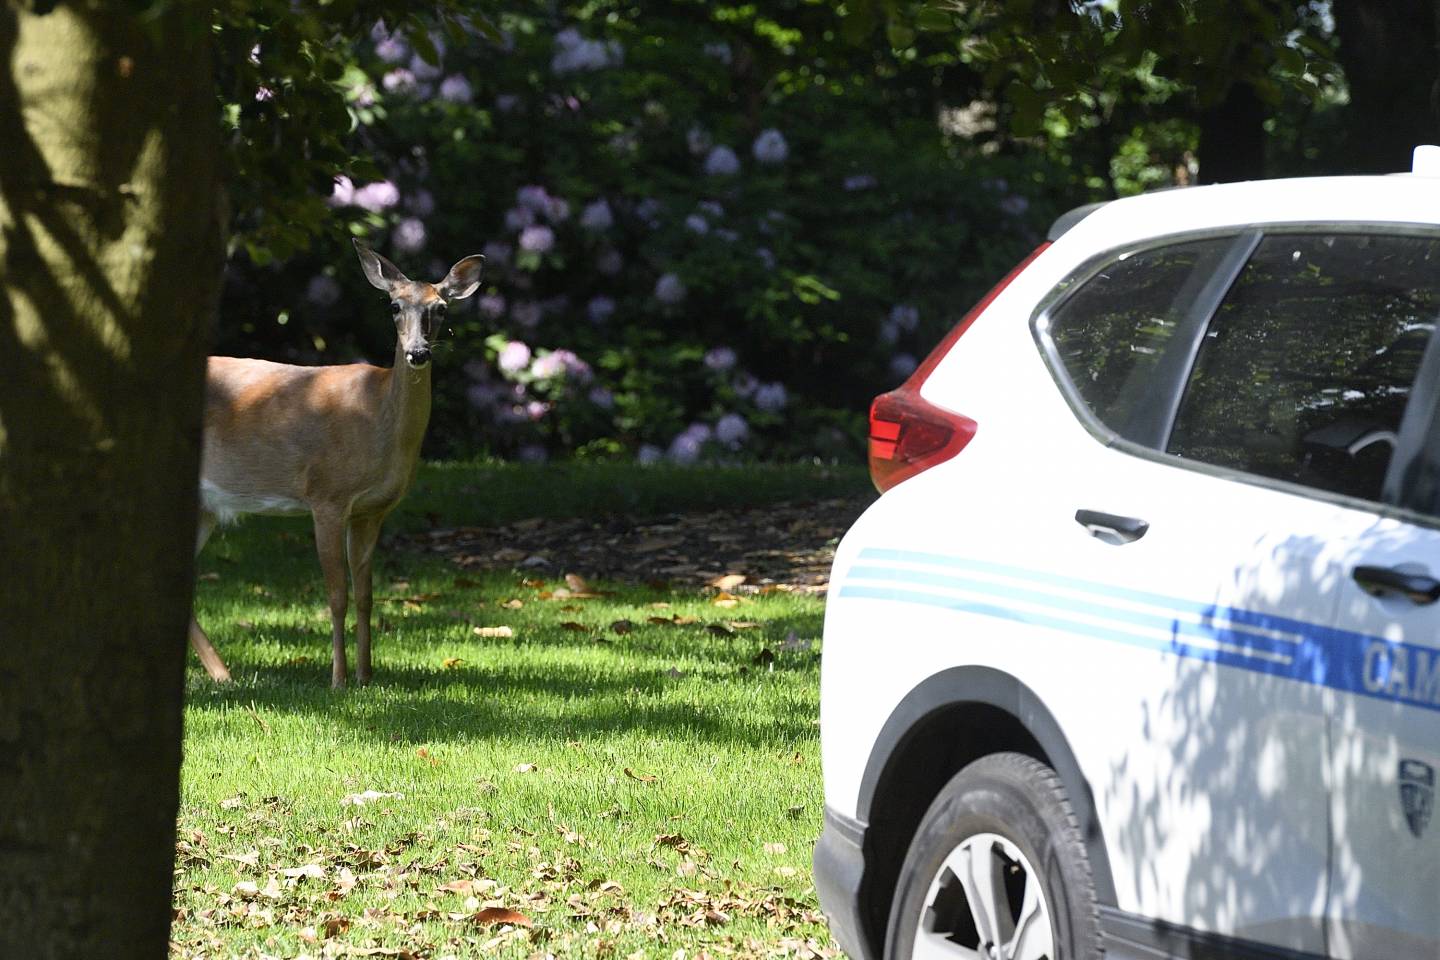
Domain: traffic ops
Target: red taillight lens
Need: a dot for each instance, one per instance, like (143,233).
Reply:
(909,434)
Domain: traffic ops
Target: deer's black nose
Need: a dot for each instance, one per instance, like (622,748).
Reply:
(419,357)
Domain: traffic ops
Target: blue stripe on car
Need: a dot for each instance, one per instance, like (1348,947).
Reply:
(1311,653)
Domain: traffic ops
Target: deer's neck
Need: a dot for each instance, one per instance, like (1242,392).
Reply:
(407,405)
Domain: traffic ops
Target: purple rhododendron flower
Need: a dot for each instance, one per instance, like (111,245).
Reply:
(533,198)
(322,290)
(669,289)
(573,53)
(559,210)
(861,181)
(550,365)
(421,202)
(698,140)
(1014,205)
(513,357)
(597,216)
(392,50)
(575,368)
(731,429)
(399,80)
(722,162)
(770,147)
(766,258)
(889,332)
(423,70)
(771,397)
(537,238)
(264,93)
(518,218)
(720,358)
(902,365)
(685,448)
(497,254)
(711,209)
(381,195)
(506,102)
(905,316)
(536,409)
(456,89)
(649,211)
(602,398)
(599,309)
(491,305)
(648,453)
(697,224)
(532,453)
(744,384)
(408,235)
(343,193)
(720,50)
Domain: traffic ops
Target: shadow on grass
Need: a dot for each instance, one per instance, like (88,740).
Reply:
(558,702)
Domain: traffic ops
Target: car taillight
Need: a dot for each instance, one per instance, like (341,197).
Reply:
(908,434)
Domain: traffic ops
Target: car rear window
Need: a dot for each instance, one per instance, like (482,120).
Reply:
(1114,333)
(1304,371)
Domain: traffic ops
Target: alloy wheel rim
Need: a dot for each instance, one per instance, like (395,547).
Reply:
(986,902)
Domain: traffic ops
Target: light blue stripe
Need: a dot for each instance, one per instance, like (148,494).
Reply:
(1322,655)
(1156,621)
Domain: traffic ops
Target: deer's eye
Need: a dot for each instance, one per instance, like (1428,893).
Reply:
(395,308)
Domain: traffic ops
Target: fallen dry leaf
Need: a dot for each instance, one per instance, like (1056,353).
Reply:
(728,582)
(622,627)
(493,916)
(493,632)
(577,583)
(452,663)
(526,768)
(642,777)
(514,603)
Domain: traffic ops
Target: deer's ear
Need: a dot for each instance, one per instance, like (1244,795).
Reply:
(382,274)
(463,278)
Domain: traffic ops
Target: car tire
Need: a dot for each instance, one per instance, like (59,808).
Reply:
(1004,825)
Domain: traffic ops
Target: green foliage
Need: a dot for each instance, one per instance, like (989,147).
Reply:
(728,267)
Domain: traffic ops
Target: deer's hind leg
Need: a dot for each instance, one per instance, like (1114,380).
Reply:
(199,642)
(330,545)
(363,533)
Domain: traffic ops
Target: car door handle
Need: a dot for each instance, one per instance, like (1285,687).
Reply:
(1111,527)
(1383,581)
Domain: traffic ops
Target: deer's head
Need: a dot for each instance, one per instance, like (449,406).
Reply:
(419,307)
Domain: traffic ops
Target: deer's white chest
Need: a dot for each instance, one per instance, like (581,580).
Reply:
(226,505)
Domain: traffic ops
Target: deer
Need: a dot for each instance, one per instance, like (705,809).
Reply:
(341,442)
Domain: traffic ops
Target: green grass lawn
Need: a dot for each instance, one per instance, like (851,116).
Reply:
(629,774)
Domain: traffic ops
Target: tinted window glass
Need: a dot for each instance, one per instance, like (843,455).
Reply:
(1114,333)
(1305,369)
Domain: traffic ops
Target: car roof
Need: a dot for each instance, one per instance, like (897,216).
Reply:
(1395,198)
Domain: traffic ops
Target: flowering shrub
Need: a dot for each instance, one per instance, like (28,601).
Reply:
(726,268)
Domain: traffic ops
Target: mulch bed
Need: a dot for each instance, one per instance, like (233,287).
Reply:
(785,546)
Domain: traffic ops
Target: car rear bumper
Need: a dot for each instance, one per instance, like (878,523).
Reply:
(839,867)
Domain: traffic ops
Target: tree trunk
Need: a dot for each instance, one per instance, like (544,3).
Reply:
(1232,137)
(110,254)
(1388,51)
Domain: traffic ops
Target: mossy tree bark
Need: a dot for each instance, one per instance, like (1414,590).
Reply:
(110,256)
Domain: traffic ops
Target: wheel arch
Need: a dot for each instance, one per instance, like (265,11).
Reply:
(949,720)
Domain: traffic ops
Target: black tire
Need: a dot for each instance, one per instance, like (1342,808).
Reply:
(1020,801)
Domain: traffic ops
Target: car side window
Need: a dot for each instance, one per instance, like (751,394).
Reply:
(1115,333)
(1304,371)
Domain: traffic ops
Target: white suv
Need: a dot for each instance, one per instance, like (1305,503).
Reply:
(1139,651)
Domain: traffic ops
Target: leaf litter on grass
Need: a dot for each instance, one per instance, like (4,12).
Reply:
(787,546)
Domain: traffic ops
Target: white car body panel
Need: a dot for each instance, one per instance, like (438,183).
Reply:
(1227,774)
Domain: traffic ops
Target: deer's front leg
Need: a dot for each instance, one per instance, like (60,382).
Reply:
(364,531)
(330,544)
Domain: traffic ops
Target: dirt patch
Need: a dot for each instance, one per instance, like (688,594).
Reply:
(787,546)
